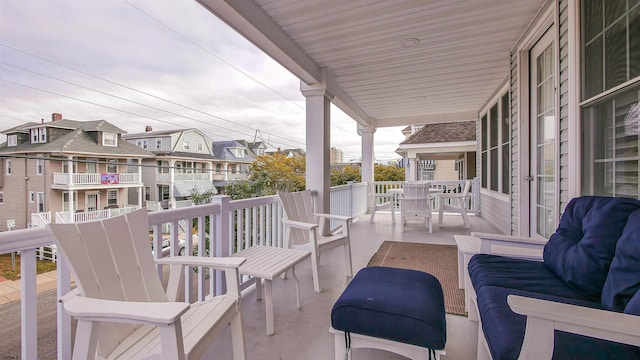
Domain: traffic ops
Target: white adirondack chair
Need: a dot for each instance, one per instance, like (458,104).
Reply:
(306,229)
(121,305)
(455,202)
(379,201)
(416,203)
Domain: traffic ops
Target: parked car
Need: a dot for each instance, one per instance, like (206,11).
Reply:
(166,247)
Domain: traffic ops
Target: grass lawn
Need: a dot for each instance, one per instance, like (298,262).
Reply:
(6,272)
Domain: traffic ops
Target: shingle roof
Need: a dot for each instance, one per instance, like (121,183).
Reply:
(443,132)
(221,150)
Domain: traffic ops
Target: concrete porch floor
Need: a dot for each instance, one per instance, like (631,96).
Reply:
(304,333)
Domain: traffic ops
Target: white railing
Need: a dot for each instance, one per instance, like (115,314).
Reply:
(473,202)
(234,225)
(348,200)
(190,176)
(40,219)
(64,216)
(92,178)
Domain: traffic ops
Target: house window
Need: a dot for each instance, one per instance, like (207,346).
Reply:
(42,132)
(147,193)
(611,53)
(163,192)
(32,197)
(112,166)
(1,198)
(238,152)
(40,201)
(495,146)
(185,145)
(112,197)
(142,143)
(7,166)
(218,168)
(158,143)
(35,138)
(199,146)
(163,167)
(65,201)
(109,139)
(234,168)
(260,152)
(12,140)
(65,167)
(39,166)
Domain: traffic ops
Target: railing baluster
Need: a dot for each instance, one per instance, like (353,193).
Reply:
(28,305)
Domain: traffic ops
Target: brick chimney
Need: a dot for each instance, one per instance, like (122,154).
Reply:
(148,128)
(56,117)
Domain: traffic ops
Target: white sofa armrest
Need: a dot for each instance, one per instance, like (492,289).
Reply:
(510,245)
(543,317)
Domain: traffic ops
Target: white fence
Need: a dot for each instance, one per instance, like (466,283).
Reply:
(92,178)
(65,216)
(233,225)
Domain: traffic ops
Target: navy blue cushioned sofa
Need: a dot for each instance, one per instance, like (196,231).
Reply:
(592,261)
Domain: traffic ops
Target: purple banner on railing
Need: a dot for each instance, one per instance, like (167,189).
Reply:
(109,178)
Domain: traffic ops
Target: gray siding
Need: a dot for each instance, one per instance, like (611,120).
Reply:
(496,212)
(515,189)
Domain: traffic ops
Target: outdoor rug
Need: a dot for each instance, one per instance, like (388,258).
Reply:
(440,261)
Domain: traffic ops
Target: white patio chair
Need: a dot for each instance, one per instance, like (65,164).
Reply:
(121,305)
(455,202)
(380,201)
(416,203)
(306,229)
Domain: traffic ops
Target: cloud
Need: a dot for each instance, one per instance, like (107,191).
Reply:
(213,78)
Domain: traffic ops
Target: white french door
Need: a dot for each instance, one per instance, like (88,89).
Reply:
(543,139)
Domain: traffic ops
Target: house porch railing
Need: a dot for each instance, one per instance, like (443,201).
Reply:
(65,216)
(473,203)
(94,178)
(234,225)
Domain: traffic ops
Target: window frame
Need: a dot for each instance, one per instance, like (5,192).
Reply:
(109,139)
(1,197)
(12,140)
(39,166)
(110,199)
(7,167)
(493,175)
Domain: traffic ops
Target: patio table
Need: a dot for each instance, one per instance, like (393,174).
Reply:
(268,262)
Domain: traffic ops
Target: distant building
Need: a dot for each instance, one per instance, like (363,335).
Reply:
(67,171)
(289,152)
(336,156)
(183,161)
(234,157)
(443,151)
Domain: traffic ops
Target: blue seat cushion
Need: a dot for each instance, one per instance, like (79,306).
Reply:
(504,330)
(519,274)
(395,304)
(623,280)
(582,248)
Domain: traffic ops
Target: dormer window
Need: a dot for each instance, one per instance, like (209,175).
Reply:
(109,139)
(237,152)
(185,145)
(12,140)
(199,146)
(142,143)
(260,152)
(38,135)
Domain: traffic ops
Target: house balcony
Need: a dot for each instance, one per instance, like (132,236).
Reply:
(299,334)
(77,181)
(166,178)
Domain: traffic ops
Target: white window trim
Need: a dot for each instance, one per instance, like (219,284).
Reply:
(39,166)
(108,135)
(495,100)
(158,143)
(185,145)
(199,146)
(32,197)
(12,140)
(112,191)
(7,167)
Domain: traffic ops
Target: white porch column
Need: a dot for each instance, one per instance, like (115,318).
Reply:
(140,189)
(225,171)
(368,156)
(172,172)
(71,195)
(318,143)
(412,170)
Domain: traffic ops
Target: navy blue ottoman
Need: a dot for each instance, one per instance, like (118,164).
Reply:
(397,310)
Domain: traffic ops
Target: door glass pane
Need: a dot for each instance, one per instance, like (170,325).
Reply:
(615,54)
(593,18)
(634,42)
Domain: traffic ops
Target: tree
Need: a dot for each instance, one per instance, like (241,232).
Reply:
(278,172)
(387,173)
(342,175)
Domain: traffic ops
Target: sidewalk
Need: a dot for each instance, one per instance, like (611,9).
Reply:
(10,290)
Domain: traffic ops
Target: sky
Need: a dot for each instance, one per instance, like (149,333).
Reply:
(169,64)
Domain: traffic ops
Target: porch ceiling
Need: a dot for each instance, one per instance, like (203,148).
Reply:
(461,58)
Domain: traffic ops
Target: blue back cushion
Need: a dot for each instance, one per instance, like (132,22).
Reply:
(623,280)
(581,249)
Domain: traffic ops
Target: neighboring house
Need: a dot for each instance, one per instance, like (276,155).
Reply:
(234,158)
(183,162)
(67,171)
(444,151)
(289,152)
(335,156)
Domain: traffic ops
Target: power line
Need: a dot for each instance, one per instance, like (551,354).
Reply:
(140,92)
(212,54)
